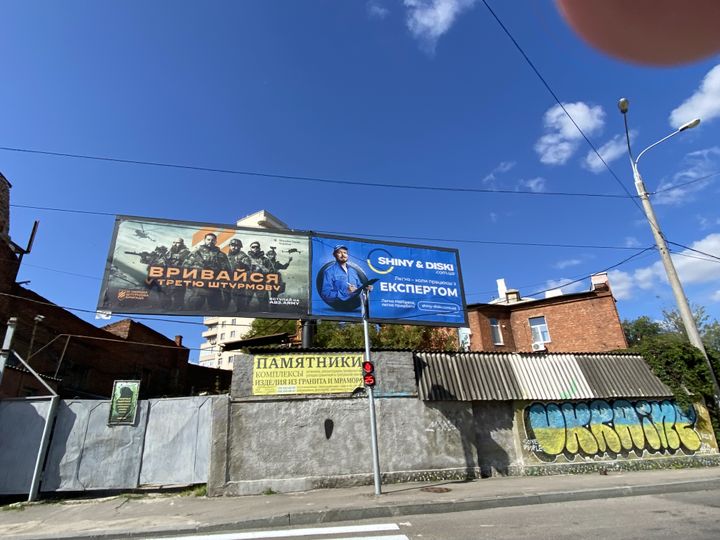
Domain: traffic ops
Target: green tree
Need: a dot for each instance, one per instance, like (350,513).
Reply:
(641,329)
(672,321)
(337,335)
(268,327)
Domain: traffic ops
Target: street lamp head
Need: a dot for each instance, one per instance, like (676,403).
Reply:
(623,105)
(691,124)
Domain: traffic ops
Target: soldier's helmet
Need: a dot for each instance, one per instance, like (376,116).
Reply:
(236,242)
(178,242)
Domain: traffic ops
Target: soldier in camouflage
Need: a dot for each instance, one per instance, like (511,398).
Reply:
(259,263)
(174,297)
(207,256)
(239,260)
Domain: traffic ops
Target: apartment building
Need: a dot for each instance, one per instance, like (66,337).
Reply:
(221,330)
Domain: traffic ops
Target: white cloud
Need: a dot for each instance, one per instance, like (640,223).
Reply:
(610,151)
(376,10)
(562,138)
(568,286)
(536,185)
(704,103)
(493,217)
(503,167)
(631,241)
(621,283)
(716,296)
(430,19)
(706,223)
(692,268)
(697,165)
(560,265)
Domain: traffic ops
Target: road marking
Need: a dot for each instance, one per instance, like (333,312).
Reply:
(288,533)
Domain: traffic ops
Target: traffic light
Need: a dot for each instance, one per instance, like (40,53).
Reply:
(368,373)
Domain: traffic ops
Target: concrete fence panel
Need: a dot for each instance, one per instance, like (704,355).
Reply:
(21,427)
(177,441)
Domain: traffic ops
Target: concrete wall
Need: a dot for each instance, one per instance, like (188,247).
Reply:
(295,442)
(168,445)
(290,443)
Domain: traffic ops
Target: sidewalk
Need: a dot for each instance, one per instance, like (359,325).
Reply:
(133,516)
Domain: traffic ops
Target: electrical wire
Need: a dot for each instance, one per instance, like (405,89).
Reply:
(560,104)
(486,242)
(628,259)
(117,314)
(695,250)
(687,255)
(677,186)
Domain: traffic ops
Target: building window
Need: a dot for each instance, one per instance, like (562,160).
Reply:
(232,333)
(233,322)
(539,329)
(212,341)
(222,336)
(496,332)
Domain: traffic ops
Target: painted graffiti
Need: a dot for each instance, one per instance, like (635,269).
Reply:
(600,427)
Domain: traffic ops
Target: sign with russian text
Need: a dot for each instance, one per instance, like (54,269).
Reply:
(184,268)
(407,284)
(325,373)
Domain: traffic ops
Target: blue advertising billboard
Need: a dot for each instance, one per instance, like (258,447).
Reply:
(408,284)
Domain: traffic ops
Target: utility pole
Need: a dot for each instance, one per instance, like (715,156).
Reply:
(682,302)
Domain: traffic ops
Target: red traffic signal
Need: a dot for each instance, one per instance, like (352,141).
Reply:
(368,373)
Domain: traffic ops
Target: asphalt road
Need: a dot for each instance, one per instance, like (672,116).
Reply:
(674,516)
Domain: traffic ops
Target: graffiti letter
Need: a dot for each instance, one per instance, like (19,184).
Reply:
(605,435)
(684,427)
(627,425)
(663,417)
(578,436)
(548,427)
(651,435)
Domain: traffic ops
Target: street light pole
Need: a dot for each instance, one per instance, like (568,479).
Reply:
(682,302)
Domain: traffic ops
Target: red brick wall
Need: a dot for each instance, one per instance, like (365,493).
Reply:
(587,323)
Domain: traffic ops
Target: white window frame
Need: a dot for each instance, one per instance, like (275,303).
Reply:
(496,332)
(539,330)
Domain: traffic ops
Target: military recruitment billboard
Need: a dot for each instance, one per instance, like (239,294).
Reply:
(407,284)
(185,268)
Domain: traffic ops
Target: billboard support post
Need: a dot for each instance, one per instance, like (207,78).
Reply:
(364,294)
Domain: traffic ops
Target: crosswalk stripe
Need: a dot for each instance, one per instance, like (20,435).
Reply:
(289,533)
(392,537)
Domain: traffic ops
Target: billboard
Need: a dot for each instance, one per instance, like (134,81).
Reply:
(184,268)
(408,284)
(291,373)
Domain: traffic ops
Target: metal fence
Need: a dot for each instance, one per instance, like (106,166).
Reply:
(168,445)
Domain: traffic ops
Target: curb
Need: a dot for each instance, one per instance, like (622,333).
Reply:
(378,512)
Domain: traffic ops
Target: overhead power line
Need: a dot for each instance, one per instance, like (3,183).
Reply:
(309,178)
(695,250)
(678,186)
(560,103)
(628,259)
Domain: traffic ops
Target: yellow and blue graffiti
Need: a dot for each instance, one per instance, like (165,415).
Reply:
(603,428)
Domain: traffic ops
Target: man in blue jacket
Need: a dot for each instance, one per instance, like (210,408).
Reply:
(340,280)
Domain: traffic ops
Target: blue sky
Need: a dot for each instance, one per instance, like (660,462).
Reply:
(415,93)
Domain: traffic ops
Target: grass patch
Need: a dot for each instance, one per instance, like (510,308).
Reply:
(195,491)
(269,491)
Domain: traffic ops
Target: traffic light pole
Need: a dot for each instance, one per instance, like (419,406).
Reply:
(364,295)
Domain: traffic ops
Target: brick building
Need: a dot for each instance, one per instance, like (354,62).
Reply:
(78,359)
(586,321)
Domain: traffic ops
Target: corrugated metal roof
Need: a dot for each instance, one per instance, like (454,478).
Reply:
(613,376)
(480,376)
